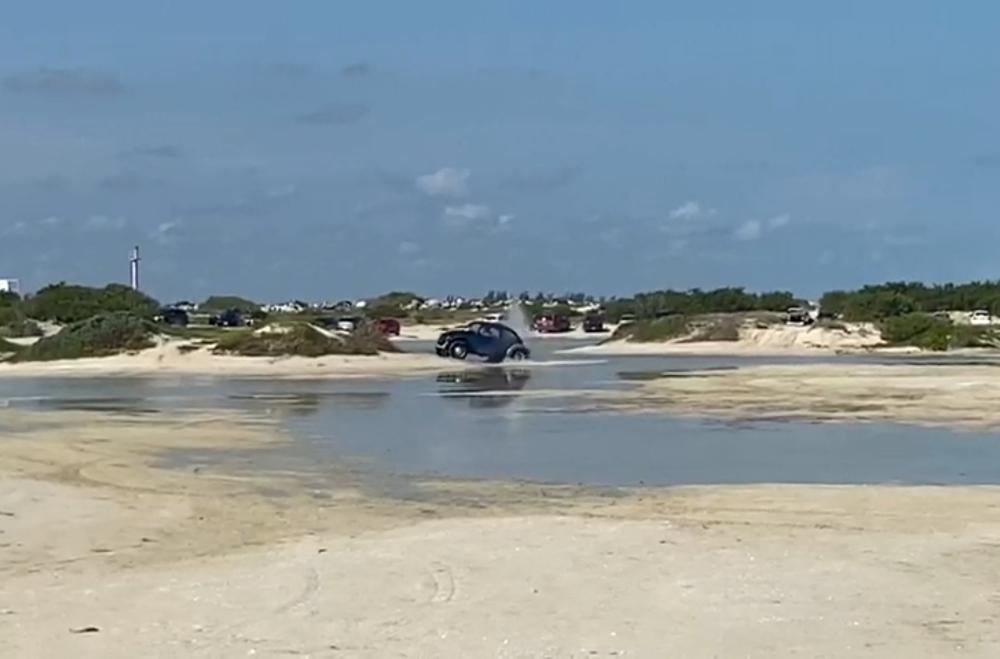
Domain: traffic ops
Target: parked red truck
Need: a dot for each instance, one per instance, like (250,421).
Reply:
(551,323)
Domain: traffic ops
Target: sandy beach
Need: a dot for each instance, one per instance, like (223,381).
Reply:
(954,395)
(108,554)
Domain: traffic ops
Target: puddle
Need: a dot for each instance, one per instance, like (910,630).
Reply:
(493,423)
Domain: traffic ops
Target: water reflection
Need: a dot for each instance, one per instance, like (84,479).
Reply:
(300,404)
(484,387)
(114,405)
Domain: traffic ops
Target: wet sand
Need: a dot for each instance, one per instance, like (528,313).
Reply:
(953,395)
(205,562)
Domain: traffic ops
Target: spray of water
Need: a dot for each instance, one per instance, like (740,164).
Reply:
(517,319)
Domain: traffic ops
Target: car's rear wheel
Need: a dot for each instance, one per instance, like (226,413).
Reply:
(459,350)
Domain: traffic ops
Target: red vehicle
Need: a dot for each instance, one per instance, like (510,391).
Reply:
(387,326)
(550,323)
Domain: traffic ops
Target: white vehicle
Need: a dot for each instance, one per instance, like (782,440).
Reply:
(980,317)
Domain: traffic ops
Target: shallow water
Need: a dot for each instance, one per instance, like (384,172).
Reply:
(486,423)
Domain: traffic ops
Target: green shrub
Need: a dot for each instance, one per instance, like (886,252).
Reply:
(20,328)
(8,348)
(967,336)
(658,329)
(717,329)
(8,299)
(67,303)
(918,330)
(302,340)
(98,336)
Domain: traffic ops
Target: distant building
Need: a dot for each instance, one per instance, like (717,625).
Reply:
(10,286)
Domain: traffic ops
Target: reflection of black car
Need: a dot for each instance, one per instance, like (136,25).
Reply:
(228,318)
(174,317)
(486,387)
(493,342)
(594,323)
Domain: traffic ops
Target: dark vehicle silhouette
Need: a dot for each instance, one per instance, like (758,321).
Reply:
(594,323)
(387,326)
(228,318)
(494,342)
(483,388)
(551,323)
(173,317)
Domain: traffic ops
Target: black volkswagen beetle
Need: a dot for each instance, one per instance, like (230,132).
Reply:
(494,342)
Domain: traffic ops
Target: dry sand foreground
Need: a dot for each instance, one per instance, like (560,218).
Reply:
(206,563)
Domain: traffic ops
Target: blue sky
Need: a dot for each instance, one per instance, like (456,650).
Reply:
(327,149)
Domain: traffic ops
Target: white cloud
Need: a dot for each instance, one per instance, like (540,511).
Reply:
(754,229)
(779,221)
(52,221)
(445,182)
(14,229)
(468,213)
(505,219)
(165,231)
(691,210)
(104,223)
(408,248)
(749,230)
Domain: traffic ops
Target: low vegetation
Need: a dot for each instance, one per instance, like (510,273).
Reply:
(99,336)
(8,349)
(20,328)
(717,329)
(657,329)
(66,303)
(303,340)
(928,332)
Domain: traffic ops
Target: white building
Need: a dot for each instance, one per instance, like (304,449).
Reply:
(10,286)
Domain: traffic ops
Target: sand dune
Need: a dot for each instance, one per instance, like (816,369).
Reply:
(774,340)
(171,358)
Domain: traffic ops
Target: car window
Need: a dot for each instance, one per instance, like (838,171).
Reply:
(489,332)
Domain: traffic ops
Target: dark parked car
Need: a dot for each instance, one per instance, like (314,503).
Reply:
(228,318)
(494,342)
(594,323)
(550,323)
(387,326)
(174,317)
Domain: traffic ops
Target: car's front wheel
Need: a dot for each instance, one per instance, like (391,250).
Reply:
(517,354)
(459,350)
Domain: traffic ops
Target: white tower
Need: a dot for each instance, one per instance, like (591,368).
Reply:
(133,263)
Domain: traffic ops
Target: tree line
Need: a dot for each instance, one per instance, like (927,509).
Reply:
(877,302)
